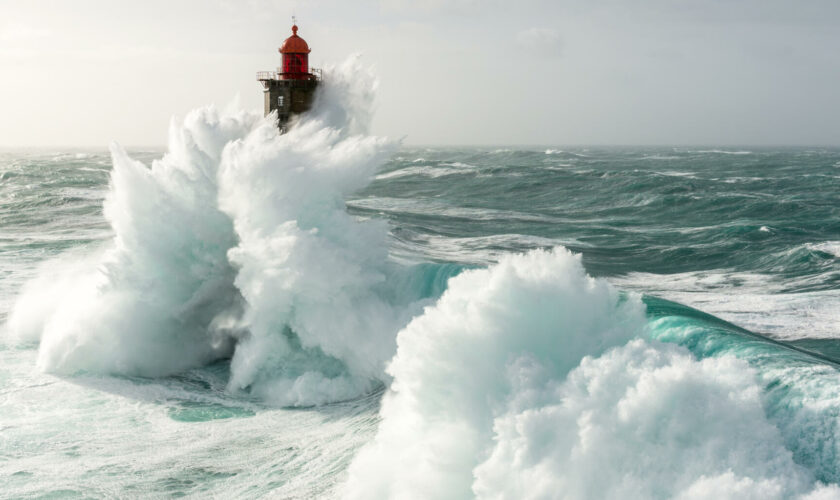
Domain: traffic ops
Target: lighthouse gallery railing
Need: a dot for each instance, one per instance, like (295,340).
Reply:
(274,75)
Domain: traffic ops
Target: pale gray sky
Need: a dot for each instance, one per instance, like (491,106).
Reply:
(756,72)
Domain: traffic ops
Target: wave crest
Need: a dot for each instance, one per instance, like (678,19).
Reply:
(528,380)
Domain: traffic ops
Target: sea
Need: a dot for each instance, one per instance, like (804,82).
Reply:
(328,314)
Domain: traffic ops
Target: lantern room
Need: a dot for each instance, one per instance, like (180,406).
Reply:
(295,58)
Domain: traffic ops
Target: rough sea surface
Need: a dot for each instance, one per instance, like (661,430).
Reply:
(327,314)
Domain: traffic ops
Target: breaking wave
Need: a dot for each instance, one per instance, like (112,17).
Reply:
(531,380)
(237,244)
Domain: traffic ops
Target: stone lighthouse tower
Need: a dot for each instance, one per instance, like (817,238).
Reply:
(291,89)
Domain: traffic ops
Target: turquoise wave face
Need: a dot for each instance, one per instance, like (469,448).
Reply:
(800,379)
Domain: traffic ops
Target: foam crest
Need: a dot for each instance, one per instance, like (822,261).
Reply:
(526,380)
(448,372)
(641,421)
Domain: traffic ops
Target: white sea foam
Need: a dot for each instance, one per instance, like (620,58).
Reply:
(153,304)
(688,175)
(426,171)
(830,247)
(443,209)
(237,243)
(561,151)
(320,312)
(512,386)
(736,180)
(660,157)
(721,152)
(108,437)
(447,376)
(477,250)
(560,167)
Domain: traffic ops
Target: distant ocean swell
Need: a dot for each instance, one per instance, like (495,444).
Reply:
(524,378)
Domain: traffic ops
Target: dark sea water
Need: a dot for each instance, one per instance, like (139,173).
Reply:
(750,234)
(733,255)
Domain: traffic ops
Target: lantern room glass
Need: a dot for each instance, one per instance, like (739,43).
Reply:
(295,65)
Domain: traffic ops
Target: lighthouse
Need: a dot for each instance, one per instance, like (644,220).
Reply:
(290,90)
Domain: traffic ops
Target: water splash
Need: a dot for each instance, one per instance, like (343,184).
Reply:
(531,380)
(237,243)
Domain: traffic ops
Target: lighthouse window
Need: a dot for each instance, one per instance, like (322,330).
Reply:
(280,101)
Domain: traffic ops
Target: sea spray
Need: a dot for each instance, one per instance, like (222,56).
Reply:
(454,364)
(237,243)
(154,302)
(322,313)
(527,380)
(640,421)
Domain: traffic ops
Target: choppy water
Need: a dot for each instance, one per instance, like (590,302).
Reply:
(521,380)
(750,235)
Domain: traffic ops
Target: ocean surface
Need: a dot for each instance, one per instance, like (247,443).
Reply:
(328,314)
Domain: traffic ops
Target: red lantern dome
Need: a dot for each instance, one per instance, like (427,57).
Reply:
(294,44)
(295,57)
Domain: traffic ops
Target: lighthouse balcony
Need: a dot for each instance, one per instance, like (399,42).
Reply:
(263,76)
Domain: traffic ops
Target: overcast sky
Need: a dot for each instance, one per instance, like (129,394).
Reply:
(714,72)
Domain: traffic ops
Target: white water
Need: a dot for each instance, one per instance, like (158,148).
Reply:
(237,243)
(511,387)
